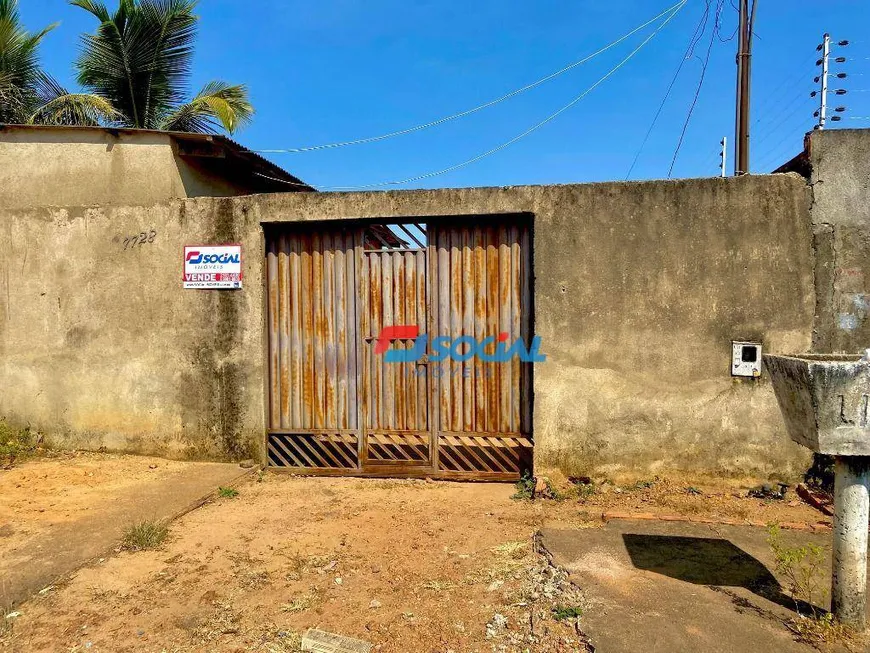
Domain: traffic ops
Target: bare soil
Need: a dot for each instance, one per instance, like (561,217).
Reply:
(40,494)
(406,565)
(698,496)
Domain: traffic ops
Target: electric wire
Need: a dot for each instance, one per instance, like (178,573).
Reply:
(784,115)
(779,152)
(698,89)
(440,121)
(531,129)
(774,96)
(786,135)
(693,41)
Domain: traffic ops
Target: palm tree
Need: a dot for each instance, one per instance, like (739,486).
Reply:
(138,64)
(20,73)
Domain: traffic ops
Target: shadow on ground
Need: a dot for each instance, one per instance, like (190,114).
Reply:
(708,561)
(679,587)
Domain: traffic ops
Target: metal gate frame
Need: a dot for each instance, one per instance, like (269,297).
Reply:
(341,452)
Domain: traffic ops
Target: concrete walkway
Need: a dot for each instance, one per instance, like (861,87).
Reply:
(675,586)
(32,563)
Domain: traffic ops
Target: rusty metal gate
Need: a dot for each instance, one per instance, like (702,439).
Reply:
(337,407)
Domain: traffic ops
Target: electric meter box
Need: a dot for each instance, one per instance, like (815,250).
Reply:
(746,359)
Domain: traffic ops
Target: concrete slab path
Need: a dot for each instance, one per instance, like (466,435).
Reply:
(676,586)
(59,527)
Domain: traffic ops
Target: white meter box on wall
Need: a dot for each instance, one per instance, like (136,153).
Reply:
(746,359)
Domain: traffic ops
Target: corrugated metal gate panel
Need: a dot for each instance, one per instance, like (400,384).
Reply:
(393,291)
(336,407)
(311,290)
(481,275)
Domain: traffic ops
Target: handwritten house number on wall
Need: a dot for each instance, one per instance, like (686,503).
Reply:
(139,239)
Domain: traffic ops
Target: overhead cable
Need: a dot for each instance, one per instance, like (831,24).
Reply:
(440,121)
(531,129)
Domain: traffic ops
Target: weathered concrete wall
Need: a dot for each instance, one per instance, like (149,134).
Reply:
(839,162)
(94,167)
(100,346)
(639,290)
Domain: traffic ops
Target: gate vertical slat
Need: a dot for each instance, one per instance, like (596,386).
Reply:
(283,333)
(443,301)
(295,334)
(492,316)
(526,328)
(353,350)
(455,367)
(307,328)
(409,301)
(340,354)
(421,376)
(330,381)
(516,326)
(467,284)
(274,342)
(318,330)
(480,332)
(397,298)
(388,420)
(505,326)
(374,386)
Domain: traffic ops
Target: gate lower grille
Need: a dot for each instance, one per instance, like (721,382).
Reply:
(313,451)
(500,455)
(410,448)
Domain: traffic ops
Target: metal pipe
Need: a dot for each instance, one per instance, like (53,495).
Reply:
(851,513)
(826,53)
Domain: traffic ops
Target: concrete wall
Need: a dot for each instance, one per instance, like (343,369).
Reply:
(95,167)
(639,290)
(100,346)
(839,169)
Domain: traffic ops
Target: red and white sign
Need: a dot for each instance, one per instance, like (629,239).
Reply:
(213,266)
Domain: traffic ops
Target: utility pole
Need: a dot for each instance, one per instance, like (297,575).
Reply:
(823,107)
(744,77)
(723,153)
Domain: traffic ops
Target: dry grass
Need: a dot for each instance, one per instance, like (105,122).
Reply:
(823,632)
(438,585)
(300,604)
(146,534)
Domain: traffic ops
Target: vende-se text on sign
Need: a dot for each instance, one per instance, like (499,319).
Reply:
(213,266)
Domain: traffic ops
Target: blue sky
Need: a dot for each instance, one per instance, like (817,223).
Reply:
(338,70)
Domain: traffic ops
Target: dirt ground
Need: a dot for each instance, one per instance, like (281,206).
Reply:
(406,565)
(43,493)
(696,497)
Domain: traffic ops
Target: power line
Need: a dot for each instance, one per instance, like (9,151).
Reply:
(693,41)
(778,152)
(784,117)
(698,89)
(409,130)
(531,129)
(773,95)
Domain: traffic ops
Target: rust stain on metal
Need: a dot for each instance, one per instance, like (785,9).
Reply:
(329,294)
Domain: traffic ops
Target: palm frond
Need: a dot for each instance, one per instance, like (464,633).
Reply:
(218,104)
(94,7)
(19,63)
(57,106)
(140,57)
